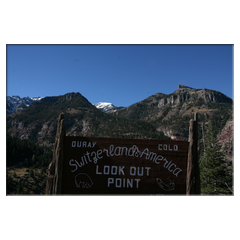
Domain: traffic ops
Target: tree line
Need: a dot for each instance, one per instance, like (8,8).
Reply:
(27,153)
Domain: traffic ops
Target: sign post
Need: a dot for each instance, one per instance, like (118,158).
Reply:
(111,166)
(54,179)
(193,175)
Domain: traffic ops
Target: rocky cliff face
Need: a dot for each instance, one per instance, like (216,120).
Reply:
(83,128)
(225,138)
(186,94)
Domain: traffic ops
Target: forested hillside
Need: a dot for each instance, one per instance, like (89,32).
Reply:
(27,165)
(38,122)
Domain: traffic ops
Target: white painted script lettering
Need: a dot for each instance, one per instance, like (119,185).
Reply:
(85,159)
(117,151)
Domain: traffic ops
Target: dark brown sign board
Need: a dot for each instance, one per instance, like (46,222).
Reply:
(113,166)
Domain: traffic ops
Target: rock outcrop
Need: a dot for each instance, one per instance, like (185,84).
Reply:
(225,138)
(186,94)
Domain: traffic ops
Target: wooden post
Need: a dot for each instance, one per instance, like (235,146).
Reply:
(54,179)
(193,176)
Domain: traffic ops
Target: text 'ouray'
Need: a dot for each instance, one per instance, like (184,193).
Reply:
(83,144)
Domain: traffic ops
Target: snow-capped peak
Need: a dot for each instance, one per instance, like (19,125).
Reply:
(15,103)
(36,98)
(104,106)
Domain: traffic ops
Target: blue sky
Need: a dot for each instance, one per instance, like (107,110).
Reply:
(121,74)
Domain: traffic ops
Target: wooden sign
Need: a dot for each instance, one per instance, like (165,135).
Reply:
(123,166)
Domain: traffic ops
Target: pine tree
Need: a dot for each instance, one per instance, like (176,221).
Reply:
(214,175)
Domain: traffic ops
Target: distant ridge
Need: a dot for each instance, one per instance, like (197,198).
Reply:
(16,103)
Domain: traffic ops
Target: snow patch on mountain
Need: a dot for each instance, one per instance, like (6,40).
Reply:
(105,106)
(36,98)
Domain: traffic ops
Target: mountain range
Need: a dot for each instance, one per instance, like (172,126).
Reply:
(16,103)
(160,116)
